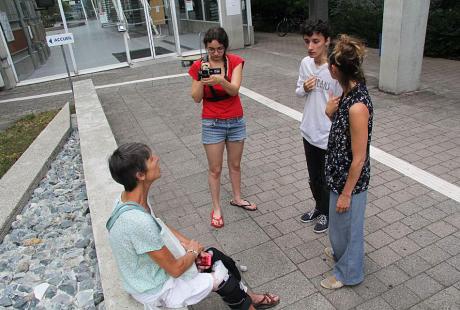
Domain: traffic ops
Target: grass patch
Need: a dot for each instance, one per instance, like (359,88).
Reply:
(16,139)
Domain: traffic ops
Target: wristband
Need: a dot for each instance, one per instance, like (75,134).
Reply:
(194,252)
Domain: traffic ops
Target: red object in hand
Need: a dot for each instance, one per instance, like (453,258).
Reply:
(205,259)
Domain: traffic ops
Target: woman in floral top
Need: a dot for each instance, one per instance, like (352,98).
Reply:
(348,163)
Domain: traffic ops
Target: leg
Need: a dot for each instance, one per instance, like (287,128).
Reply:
(347,239)
(234,293)
(215,153)
(315,164)
(314,157)
(234,154)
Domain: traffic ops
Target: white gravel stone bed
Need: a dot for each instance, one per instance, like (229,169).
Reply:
(48,260)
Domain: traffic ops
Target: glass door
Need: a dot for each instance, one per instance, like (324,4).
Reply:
(95,25)
(195,17)
(138,27)
(162,25)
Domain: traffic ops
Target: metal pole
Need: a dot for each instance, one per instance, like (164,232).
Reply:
(84,10)
(64,21)
(68,71)
(172,5)
(95,11)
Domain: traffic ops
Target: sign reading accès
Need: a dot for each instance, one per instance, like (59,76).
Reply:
(59,39)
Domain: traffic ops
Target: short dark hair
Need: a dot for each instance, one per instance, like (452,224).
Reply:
(312,26)
(126,161)
(218,34)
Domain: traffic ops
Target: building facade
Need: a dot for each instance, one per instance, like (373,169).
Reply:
(109,33)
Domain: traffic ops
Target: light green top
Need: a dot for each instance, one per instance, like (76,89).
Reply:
(133,235)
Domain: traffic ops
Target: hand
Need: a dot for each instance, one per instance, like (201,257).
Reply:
(332,105)
(193,245)
(212,80)
(343,203)
(309,84)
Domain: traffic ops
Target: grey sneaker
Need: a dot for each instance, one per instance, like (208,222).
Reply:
(310,216)
(322,224)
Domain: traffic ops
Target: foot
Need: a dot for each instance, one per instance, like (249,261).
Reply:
(264,301)
(217,220)
(331,283)
(241,203)
(310,216)
(322,224)
(329,252)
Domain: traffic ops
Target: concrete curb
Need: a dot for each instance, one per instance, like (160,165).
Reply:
(23,177)
(97,143)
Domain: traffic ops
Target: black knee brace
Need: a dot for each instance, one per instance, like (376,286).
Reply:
(233,295)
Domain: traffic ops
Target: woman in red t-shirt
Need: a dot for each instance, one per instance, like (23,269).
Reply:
(223,125)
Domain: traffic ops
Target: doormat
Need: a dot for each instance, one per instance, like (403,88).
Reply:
(145,52)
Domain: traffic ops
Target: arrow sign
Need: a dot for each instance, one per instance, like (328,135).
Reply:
(59,39)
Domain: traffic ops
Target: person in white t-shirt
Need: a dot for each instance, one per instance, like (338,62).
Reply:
(317,86)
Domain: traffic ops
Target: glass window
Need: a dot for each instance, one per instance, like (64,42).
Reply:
(197,12)
(211,9)
(243,11)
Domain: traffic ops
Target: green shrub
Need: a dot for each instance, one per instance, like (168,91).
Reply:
(363,18)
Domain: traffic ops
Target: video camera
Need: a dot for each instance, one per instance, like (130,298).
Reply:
(206,71)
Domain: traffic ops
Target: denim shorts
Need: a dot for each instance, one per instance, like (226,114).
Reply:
(218,130)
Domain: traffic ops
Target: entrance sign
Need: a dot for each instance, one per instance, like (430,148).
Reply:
(59,39)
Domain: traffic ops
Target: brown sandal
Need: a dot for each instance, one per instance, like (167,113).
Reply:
(268,301)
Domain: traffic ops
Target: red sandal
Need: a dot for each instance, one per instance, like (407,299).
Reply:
(216,221)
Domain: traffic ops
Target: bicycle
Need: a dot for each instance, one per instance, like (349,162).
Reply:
(289,24)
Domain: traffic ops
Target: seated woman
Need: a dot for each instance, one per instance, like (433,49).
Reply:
(149,270)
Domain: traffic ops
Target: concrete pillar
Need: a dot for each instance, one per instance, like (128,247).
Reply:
(318,10)
(232,23)
(403,40)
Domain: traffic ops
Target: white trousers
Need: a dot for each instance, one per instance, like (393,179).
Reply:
(178,293)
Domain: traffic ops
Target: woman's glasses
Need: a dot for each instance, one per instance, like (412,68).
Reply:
(219,50)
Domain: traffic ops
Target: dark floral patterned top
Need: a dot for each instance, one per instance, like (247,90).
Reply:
(339,155)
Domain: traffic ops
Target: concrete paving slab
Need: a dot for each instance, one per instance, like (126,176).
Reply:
(265,262)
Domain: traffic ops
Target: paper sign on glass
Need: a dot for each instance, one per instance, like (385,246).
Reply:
(189,5)
(233,7)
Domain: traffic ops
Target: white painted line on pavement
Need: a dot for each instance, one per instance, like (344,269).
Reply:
(142,81)
(448,189)
(36,96)
(97,87)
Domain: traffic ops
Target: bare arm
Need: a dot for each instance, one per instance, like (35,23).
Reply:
(175,267)
(359,117)
(197,91)
(232,88)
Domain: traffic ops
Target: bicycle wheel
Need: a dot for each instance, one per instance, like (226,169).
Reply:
(283,27)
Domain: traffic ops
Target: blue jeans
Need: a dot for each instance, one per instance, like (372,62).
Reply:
(218,130)
(346,233)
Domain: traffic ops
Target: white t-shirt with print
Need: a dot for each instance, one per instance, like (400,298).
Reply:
(315,124)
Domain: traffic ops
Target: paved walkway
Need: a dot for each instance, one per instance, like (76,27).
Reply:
(412,232)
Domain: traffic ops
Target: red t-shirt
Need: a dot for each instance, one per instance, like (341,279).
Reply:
(223,109)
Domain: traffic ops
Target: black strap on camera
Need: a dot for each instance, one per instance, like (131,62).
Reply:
(215,97)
